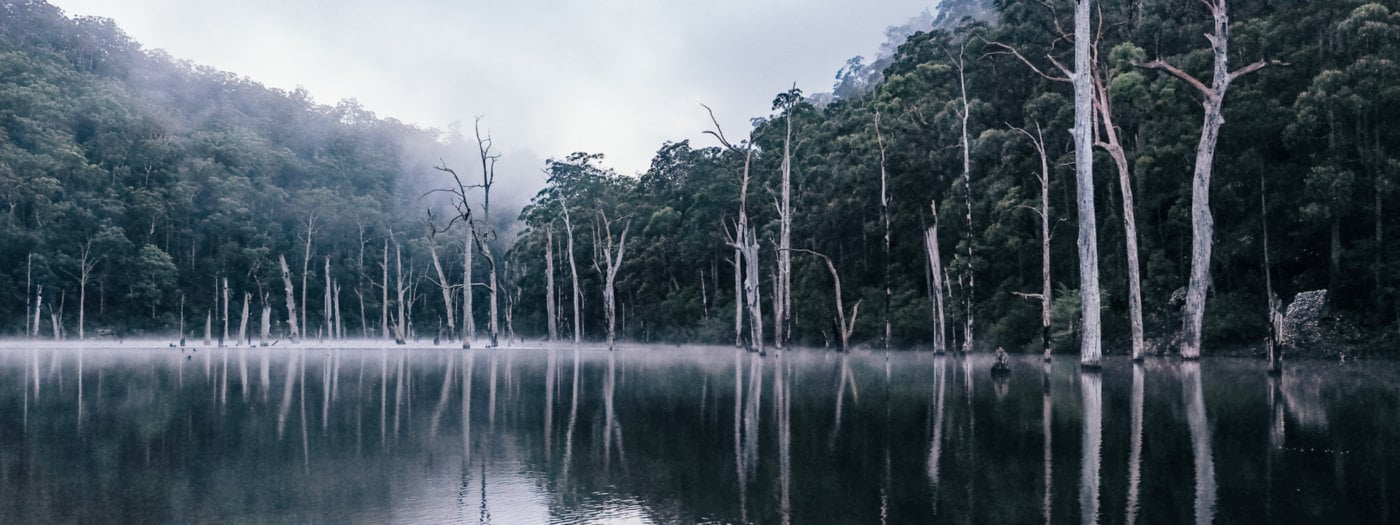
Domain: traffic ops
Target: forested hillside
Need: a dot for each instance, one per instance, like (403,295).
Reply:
(135,183)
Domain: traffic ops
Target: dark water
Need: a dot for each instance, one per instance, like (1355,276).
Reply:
(684,436)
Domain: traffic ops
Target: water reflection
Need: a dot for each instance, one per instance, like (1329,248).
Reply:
(131,435)
(1091,398)
(1195,399)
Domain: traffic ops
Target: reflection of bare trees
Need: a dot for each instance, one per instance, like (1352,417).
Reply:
(1046,431)
(612,429)
(845,377)
(285,408)
(1135,452)
(1200,440)
(443,396)
(935,452)
(1091,395)
(738,434)
(551,365)
(784,409)
(1276,440)
(569,432)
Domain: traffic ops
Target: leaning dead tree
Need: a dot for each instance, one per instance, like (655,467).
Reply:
(443,283)
(611,264)
(745,247)
(1038,140)
(844,326)
(939,287)
(292,325)
(1090,351)
(1202,223)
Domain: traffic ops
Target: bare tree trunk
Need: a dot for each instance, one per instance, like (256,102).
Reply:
(1271,342)
(243,322)
(1038,140)
(85,267)
(738,298)
(339,321)
(845,326)
(384,298)
(56,318)
(610,275)
(468,321)
(1114,147)
(494,323)
(549,299)
(939,291)
(209,327)
(38,308)
(1202,224)
(265,324)
(28,285)
(224,337)
(400,326)
(784,288)
(1090,351)
(182,320)
(292,324)
(305,265)
(573,272)
(885,218)
(752,291)
(446,287)
(330,308)
(967,199)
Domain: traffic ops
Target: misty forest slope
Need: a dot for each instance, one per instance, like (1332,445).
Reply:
(170,176)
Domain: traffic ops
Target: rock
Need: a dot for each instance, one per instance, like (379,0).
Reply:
(1302,321)
(1003,363)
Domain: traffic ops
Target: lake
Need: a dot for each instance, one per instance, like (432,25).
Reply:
(685,435)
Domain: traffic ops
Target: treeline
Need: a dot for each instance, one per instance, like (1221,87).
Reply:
(135,187)
(953,121)
(171,177)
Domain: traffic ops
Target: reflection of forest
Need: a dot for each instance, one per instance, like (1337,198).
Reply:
(517,436)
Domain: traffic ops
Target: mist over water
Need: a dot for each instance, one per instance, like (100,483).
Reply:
(575,435)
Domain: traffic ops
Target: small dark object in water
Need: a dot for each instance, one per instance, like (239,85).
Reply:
(182,342)
(172,345)
(1003,364)
(187,357)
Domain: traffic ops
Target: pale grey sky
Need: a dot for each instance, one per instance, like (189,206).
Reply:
(616,77)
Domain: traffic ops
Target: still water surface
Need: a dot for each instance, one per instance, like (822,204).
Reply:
(668,435)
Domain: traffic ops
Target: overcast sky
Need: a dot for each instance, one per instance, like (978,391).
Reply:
(616,77)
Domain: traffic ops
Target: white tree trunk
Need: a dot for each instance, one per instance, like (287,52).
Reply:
(265,324)
(573,274)
(752,291)
(224,338)
(885,218)
(784,288)
(446,287)
(243,322)
(610,275)
(329,307)
(292,324)
(401,325)
(969,330)
(468,321)
(339,321)
(939,292)
(384,291)
(38,308)
(551,309)
(1090,351)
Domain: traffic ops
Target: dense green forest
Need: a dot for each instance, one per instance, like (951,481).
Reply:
(157,179)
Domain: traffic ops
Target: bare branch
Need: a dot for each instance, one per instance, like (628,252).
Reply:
(1178,73)
(1256,67)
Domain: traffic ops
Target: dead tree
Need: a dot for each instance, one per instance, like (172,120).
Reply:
(86,264)
(971,290)
(291,299)
(885,218)
(488,178)
(549,299)
(1202,223)
(743,293)
(445,286)
(1090,351)
(224,337)
(384,294)
(609,272)
(845,326)
(28,285)
(939,287)
(1272,341)
(339,321)
(306,264)
(783,302)
(1038,140)
(400,325)
(326,300)
(38,308)
(573,271)
(56,317)
(243,322)
(265,323)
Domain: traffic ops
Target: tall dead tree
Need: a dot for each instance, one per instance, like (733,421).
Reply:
(28,285)
(1038,140)
(783,302)
(1202,223)
(609,272)
(884,218)
(38,308)
(291,299)
(549,299)
(1090,351)
(265,323)
(1272,341)
(484,239)
(573,271)
(384,294)
(306,264)
(401,324)
(330,308)
(963,116)
(86,264)
(939,287)
(223,338)
(844,326)
(745,292)
(468,312)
